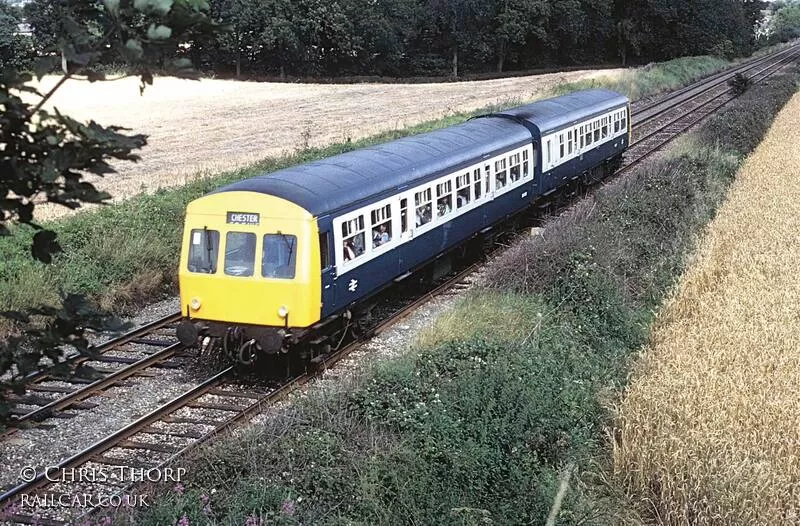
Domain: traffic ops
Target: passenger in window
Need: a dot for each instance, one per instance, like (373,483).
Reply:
(348,250)
(444,206)
(424,214)
(462,198)
(380,236)
(501,179)
(358,244)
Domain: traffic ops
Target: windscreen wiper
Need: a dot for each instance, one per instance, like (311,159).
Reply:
(209,249)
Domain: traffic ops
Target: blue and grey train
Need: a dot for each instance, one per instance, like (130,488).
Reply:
(267,261)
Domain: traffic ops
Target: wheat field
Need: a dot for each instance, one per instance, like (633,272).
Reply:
(709,429)
(202,127)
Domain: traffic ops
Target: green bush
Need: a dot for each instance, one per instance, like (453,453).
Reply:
(741,131)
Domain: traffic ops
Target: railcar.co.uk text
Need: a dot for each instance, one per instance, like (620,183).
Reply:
(83,500)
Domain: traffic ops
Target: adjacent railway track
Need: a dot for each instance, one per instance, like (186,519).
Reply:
(171,430)
(658,125)
(654,109)
(157,439)
(50,392)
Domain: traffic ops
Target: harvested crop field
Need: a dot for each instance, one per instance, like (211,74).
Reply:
(708,429)
(212,125)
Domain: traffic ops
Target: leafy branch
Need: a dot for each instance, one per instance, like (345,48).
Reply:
(45,156)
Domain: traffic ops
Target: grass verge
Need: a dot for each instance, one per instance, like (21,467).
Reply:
(654,78)
(707,430)
(124,255)
(478,425)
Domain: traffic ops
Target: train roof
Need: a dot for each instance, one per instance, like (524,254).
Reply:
(337,182)
(552,114)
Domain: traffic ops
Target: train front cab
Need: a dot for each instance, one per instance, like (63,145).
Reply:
(249,271)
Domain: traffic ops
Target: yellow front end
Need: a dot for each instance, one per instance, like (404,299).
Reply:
(232,245)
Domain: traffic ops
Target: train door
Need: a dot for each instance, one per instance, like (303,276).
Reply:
(405,231)
(328,270)
(488,191)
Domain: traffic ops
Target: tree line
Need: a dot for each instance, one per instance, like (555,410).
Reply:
(447,37)
(399,38)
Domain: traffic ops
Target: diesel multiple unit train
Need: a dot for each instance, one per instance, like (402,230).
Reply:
(270,261)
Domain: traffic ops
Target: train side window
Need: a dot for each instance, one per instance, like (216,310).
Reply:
(353,238)
(596,131)
(580,135)
(444,198)
(560,145)
(324,250)
(604,128)
(525,163)
(478,182)
(624,119)
(240,253)
(569,142)
(616,122)
(588,129)
(514,169)
(462,189)
(500,173)
(203,251)
(404,215)
(381,225)
(548,152)
(280,255)
(423,203)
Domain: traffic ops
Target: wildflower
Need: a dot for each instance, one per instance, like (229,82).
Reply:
(253,520)
(178,488)
(288,507)
(206,500)
(184,521)
(11,509)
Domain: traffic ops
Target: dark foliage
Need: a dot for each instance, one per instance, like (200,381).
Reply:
(739,83)
(400,38)
(741,131)
(16,48)
(45,155)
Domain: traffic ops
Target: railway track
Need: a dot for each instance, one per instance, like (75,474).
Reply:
(157,439)
(658,125)
(654,109)
(50,393)
(153,442)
